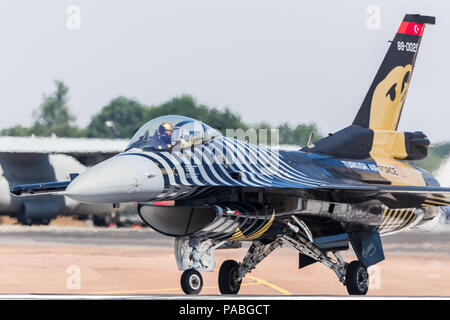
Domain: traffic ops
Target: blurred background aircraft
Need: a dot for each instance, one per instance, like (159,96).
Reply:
(28,159)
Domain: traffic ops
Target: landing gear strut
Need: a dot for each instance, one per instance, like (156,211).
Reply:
(231,273)
(354,275)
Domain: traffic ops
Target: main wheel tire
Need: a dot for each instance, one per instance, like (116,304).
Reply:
(191,281)
(228,275)
(356,278)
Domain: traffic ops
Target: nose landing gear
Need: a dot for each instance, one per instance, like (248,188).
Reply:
(193,256)
(191,281)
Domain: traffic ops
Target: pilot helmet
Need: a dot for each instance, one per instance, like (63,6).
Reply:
(165,129)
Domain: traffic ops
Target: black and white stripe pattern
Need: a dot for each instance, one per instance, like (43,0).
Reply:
(191,172)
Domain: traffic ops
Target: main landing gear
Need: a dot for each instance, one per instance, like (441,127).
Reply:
(353,275)
(229,281)
(193,256)
(356,278)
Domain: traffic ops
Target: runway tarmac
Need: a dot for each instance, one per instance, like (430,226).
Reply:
(437,240)
(129,263)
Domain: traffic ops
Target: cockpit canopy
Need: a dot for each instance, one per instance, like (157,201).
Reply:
(168,133)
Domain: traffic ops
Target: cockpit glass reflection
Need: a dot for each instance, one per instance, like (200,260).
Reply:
(171,133)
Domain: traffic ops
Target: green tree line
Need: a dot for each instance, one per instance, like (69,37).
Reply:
(53,116)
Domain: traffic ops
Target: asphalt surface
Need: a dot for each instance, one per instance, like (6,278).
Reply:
(436,240)
(140,264)
(89,236)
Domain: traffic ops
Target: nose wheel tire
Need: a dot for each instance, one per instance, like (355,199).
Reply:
(191,281)
(356,278)
(228,277)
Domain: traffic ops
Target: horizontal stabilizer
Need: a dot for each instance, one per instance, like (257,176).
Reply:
(368,247)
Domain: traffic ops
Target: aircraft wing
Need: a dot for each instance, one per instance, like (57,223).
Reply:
(393,196)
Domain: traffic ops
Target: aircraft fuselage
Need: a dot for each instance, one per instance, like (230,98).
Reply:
(215,180)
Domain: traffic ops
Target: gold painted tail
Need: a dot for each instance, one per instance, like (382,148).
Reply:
(383,104)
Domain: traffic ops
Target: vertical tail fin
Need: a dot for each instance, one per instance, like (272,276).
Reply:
(383,104)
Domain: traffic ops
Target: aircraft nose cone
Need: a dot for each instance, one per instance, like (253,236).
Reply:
(123,178)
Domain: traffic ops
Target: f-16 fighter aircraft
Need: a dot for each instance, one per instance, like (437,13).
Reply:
(211,192)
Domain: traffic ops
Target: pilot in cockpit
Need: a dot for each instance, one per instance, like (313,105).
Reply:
(164,135)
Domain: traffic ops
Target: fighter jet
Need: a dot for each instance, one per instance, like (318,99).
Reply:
(210,191)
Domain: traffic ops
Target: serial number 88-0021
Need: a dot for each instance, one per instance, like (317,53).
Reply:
(406,46)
